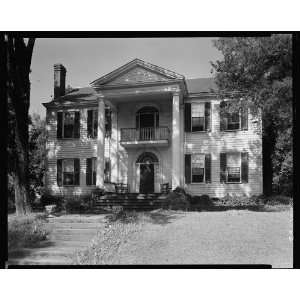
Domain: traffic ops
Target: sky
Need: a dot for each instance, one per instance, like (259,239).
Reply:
(90,58)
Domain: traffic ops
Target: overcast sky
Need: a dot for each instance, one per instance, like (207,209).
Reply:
(91,58)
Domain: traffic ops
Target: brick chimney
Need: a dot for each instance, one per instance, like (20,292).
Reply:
(59,80)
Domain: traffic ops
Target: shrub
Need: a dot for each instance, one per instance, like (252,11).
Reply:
(278,199)
(77,204)
(177,200)
(239,201)
(26,231)
(124,216)
(201,202)
(47,199)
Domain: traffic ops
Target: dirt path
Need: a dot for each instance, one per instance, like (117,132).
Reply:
(231,237)
(68,234)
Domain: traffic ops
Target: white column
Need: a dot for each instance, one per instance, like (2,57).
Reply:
(176,164)
(100,143)
(114,146)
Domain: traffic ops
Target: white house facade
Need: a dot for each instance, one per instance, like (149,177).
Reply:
(145,126)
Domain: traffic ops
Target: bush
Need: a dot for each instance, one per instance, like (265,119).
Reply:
(278,199)
(239,201)
(177,200)
(76,204)
(26,231)
(201,202)
(124,216)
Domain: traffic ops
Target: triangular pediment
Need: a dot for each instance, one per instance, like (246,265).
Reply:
(136,72)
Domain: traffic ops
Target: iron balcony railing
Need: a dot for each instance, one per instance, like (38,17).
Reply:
(144,134)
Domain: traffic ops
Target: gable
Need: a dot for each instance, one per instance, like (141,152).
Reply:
(136,71)
(137,75)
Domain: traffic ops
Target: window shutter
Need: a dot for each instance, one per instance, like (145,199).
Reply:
(187,168)
(59,124)
(157,119)
(95,172)
(208,168)
(59,172)
(244,118)
(244,167)
(95,124)
(88,171)
(90,123)
(223,163)
(207,115)
(108,170)
(77,125)
(76,171)
(187,117)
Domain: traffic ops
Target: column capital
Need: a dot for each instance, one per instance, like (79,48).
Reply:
(176,93)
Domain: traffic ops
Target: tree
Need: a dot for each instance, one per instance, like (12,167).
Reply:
(260,69)
(37,155)
(18,57)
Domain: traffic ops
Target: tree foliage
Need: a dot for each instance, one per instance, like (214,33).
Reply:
(260,69)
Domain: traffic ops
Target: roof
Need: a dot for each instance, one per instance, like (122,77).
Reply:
(201,85)
(196,85)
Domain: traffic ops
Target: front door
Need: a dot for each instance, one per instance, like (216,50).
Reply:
(146,178)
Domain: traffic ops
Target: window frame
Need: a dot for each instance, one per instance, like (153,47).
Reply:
(204,178)
(197,103)
(63,173)
(240,167)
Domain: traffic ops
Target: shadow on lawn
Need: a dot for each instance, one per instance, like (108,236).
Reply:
(162,217)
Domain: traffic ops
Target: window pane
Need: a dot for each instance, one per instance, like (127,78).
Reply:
(197,124)
(197,110)
(68,165)
(68,178)
(233,174)
(234,160)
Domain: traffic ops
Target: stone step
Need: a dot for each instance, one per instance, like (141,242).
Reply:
(41,261)
(75,225)
(55,237)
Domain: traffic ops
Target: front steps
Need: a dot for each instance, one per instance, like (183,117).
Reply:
(130,201)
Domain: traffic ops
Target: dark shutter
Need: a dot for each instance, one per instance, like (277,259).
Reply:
(76,171)
(223,163)
(187,168)
(207,116)
(59,124)
(157,119)
(207,168)
(187,117)
(244,118)
(59,172)
(95,171)
(90,123)
(137,119)
(77,125)
(107,170)
(244,167)
(88,171)
(95,124)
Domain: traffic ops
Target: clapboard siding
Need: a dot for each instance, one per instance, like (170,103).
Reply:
(81,148)
(217,141)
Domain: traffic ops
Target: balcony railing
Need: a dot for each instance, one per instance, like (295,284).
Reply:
(144,134)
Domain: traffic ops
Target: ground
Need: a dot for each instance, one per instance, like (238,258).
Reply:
(169,237)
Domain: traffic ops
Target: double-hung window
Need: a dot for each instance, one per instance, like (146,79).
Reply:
(198,167)
(68,124)
(234,167)
(198,117)
(92,123)
(68,172)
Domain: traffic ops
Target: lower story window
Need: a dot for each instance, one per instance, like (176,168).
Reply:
(68,171)
(91,171)
(198,167)
(233,167)
(107,171)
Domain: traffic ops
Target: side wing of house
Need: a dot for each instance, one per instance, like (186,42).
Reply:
(226,157)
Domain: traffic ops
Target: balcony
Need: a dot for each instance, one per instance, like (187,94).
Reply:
(132,137)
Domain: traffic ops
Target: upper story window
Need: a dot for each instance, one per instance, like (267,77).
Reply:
(68,124)
(107,122)
(234,167)
(92,123)
(233,118)
(197,116)
(68,171)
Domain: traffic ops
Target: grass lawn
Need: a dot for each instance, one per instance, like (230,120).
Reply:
(222,237)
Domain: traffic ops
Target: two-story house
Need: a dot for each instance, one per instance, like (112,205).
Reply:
(144,126)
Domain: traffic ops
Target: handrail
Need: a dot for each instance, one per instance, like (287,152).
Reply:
(144,134)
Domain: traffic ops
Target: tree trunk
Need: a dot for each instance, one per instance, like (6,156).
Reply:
(18,85)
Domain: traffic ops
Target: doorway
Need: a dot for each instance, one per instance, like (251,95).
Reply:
(147,119)
(146,178)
